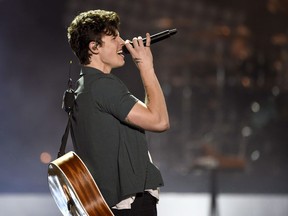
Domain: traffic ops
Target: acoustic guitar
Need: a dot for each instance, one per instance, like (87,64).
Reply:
(74,189)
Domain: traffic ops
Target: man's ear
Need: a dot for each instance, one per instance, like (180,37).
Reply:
(93,47)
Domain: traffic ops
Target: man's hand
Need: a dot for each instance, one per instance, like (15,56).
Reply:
(141,54)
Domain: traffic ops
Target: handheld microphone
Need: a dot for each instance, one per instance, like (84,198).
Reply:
(155,38)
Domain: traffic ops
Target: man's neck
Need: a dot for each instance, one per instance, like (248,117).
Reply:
(98,67)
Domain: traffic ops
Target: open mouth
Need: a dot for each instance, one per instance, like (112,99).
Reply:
(120,52)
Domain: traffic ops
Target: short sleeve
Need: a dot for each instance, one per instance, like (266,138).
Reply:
(113,97)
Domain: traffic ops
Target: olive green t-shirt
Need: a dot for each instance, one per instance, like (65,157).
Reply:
(115,153)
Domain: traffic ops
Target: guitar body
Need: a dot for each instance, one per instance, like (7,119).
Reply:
(74,189)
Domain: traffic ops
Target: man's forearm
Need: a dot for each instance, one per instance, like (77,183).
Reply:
(154,98)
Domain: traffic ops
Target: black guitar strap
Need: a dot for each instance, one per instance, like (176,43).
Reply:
(67,105)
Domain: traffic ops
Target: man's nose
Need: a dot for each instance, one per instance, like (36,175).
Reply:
(121,41)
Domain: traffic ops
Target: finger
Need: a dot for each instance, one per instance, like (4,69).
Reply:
(129,45)
(148,40)
(140,41)
(135,42)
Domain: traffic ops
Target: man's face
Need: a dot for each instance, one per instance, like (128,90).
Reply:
(110,52)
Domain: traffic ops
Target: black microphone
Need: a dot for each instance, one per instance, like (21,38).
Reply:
(155,38)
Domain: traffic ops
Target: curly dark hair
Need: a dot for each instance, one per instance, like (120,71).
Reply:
(90,26)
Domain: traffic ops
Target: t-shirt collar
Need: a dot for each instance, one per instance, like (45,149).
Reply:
(89,70)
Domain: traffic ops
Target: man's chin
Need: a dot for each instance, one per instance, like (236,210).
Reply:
(120,65)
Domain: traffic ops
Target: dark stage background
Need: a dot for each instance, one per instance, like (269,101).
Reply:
(225,77)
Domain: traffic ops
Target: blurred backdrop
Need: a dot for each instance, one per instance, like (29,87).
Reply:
(224,74)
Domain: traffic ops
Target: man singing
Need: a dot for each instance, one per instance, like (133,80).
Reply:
(109,122)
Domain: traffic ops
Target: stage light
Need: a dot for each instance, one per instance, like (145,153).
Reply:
(246,131)
(255,155)
(246,81)
(255,107)
(45,157)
